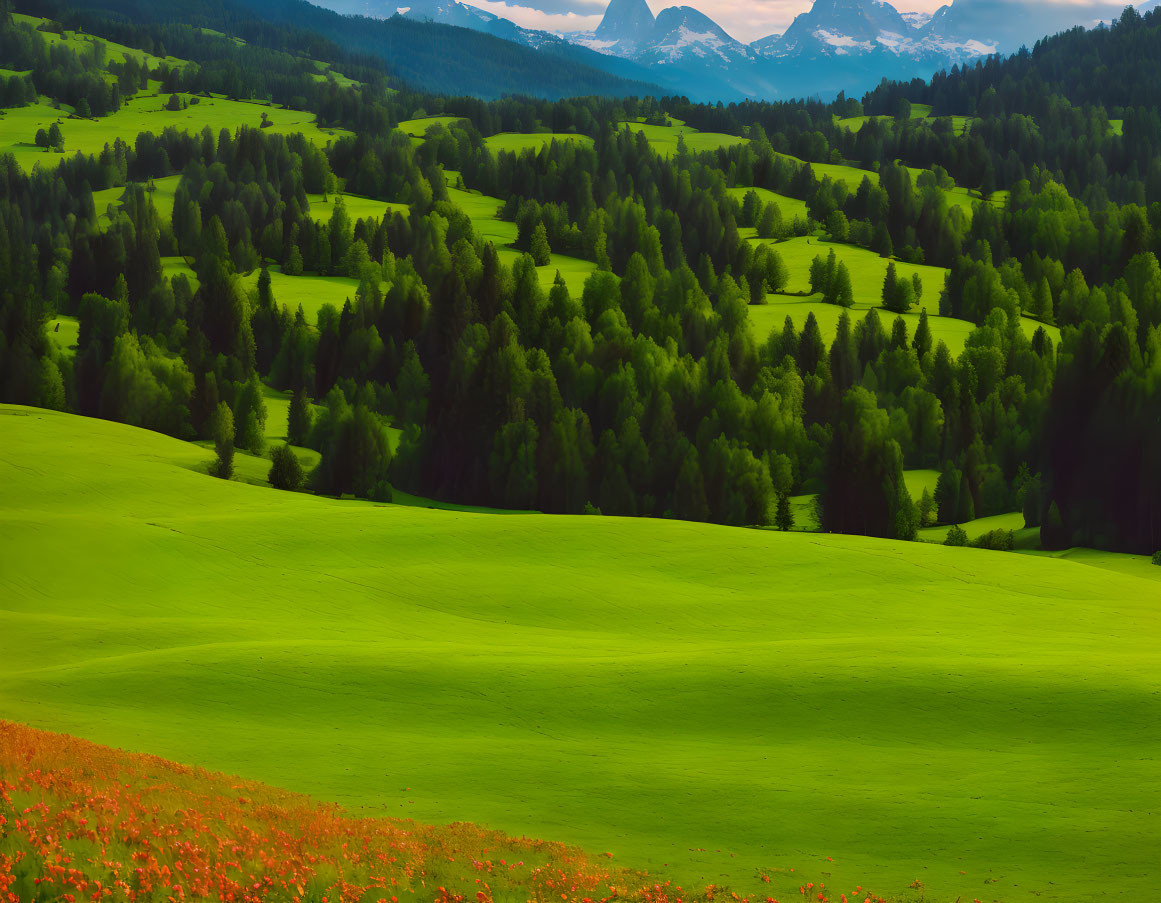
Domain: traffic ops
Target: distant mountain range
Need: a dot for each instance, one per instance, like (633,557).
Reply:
(838,45)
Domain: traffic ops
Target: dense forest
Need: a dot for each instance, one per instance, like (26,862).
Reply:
(648,393)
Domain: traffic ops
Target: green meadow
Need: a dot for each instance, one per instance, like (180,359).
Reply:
(417,128)
(705,702)
(868,271)
(977,528)
(664,138)
(312,293)
(791,208)
(65,332)
(484,212)
(516,143)
(144,113)
(959,197)
(178,266)
(322,207)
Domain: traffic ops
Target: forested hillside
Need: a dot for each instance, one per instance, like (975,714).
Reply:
(705,314)
(431,57)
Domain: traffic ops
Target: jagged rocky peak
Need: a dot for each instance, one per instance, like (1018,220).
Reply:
(630,20)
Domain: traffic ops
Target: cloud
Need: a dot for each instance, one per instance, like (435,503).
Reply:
(558,16)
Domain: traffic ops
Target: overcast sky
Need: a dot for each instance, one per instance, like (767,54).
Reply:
(746,20)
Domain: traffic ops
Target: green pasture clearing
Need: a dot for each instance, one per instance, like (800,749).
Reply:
(792,208)
(837,172)
(278,423)
(1117,126)
(484,212)
(517,143)
(918,480)
(977,528)
(65,332)
(358,207)
(868,271)
(663,138)
(959,124)
(964,198)
(855,123)
(704,702)
(766,318)
(143,114)
(162,194)
(805,511)
(106,204)
(853,176)
(417,128)
(177,266)
(327,73)
(311,292)
(114,52)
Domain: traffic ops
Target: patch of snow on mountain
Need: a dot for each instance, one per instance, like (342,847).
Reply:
(893,41)
(916,20)
(842,43)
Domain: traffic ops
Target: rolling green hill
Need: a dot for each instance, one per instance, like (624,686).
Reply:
(701,701)
(144,113)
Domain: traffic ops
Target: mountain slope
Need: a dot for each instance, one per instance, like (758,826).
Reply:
(1007,25)
(428,56)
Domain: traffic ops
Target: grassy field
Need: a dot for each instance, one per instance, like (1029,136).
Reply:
(867,271)
(853,176)
(163,194)
(792,208)
(358,207)
(700,701)
(143,114)
(65,332)
(484,212)
(663,138)
(977,528)
(855,123)
(312,292)
(516,143)
(174,266)
(918,480)
(918,111)
(417,128)
(765,318)
(107,202)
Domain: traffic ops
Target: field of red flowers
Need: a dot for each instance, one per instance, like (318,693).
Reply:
(79,821)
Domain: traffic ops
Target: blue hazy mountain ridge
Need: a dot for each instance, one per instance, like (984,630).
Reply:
(452,47)
(838,45)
